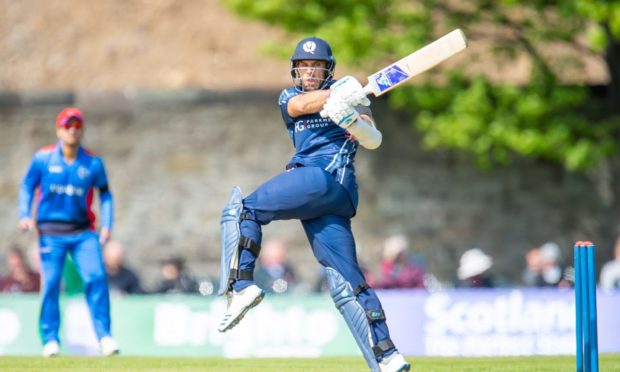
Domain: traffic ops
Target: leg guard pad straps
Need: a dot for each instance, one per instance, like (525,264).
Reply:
(374,315)
(232,242)
(382,346)
(360,288)
(249,244)
(354,315)
(241,274)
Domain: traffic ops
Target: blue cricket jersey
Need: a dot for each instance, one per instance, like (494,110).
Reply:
(319,142)
(65,191)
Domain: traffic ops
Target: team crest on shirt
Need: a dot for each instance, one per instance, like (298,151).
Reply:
(83,172)
(309,47)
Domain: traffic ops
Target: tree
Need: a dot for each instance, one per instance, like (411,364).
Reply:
(552,115)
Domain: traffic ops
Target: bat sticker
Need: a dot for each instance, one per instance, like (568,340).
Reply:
(390,76)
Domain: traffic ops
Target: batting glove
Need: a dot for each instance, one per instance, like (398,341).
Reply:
(351,91)
(340,112)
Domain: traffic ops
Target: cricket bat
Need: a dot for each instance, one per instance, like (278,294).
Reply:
(415,63)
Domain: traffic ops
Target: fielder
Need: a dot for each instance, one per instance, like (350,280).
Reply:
(319,188)
(66,174)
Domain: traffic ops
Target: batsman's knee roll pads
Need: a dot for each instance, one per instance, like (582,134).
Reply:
(354,315)
(232,242)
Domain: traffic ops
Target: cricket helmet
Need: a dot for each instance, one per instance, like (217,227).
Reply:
(313,48)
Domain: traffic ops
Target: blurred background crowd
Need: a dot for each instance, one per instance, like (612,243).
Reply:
(400,268)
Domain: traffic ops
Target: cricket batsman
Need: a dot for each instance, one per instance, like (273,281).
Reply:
(318,188)
(66,175)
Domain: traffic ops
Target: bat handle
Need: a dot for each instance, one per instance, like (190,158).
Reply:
(367,90)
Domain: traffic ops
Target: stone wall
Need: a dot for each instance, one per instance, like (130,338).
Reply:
(173,157)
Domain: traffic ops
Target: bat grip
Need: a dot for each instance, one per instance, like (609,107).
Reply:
(367,89)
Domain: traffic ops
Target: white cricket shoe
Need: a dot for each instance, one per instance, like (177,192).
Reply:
(51,349)
(240,303)
(108,346)
(394,363)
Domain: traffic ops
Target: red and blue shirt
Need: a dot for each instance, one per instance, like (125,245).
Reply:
(65,191)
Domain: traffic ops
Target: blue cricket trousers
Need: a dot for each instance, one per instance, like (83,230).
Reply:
(86,253)
(313,196)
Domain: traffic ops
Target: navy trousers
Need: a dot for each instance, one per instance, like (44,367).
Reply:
(313,196)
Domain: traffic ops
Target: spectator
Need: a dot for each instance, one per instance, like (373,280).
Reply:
(398,269)
(31,256)
(610,273)
(533,267)
(121,279)
(473,271)
(545,268)
(553,270)
(20,277)
(175,279)
(274,274)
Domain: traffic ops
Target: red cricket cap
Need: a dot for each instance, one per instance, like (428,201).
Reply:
(67,114)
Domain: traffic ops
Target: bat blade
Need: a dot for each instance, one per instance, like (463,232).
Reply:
(416,63)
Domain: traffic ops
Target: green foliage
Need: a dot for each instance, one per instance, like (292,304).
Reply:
(496,122)
(543,119)
(366,32)
(597,38)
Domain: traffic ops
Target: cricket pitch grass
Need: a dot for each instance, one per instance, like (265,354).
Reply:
(607,362)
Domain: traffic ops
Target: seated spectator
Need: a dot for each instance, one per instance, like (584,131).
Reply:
(473,271)
(175,279)
(121,280)
(610,272)
(398,268)
(545,268)
(533,267)
(273,273)
(33,258)
(20,277)
(554,273)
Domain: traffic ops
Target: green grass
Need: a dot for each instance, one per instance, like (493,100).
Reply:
(608,362)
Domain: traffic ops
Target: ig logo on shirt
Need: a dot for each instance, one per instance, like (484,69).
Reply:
(300,126)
